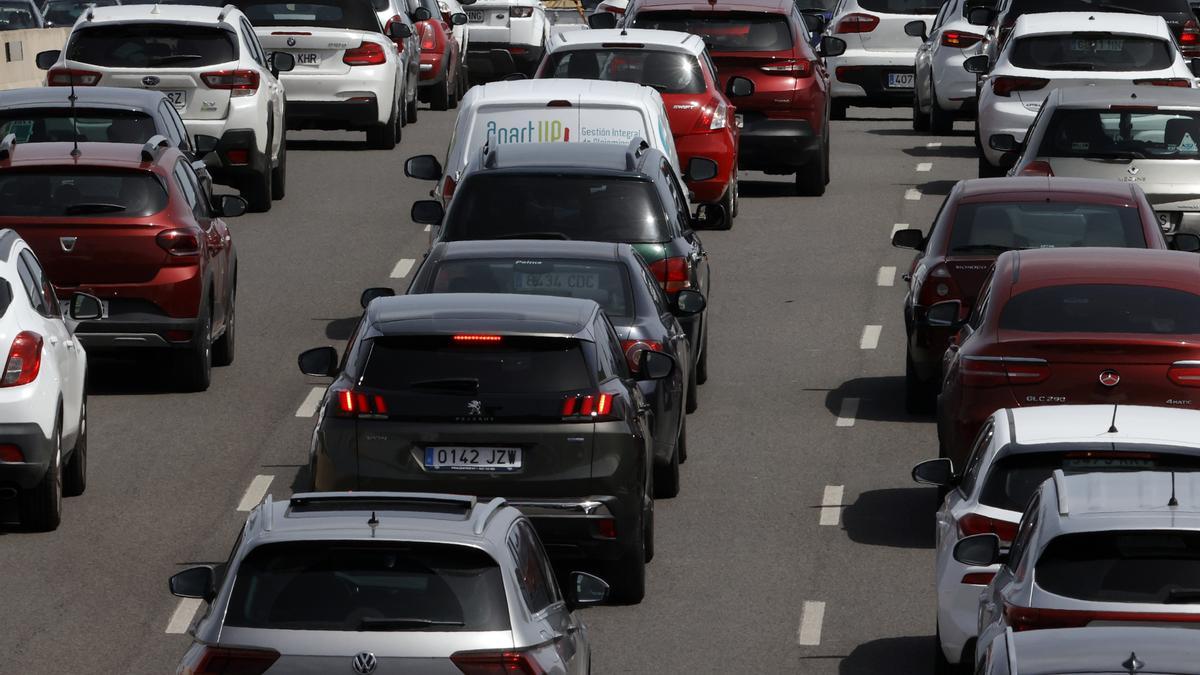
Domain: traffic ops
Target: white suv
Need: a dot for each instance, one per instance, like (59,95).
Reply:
(208,63)
(518,27)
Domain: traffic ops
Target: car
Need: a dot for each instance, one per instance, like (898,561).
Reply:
(1094,548)
(1046,51)
(20,15)
(613,275)
(443,55)
(404,582)
(134,226)
(1146,136)
(60,13)
(516,28)
(349,74)
(396,11)
(1092,649)
(778,82)
(679,68)
(208,63)
(43,390)
(525,397)
(1072,325)
(942,88)
(600,192)
(565,15)
(982,218)
(461,32)
(1015,451)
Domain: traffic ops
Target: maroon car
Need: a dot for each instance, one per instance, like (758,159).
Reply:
(985,217)
(1053,326)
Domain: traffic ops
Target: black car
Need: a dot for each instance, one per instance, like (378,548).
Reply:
(524,397)
(615,277)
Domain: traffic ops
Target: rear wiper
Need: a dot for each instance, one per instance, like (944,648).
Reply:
(1181,596)
(93,207)
(174,58)
(389,623)
(534,235)
(463,384)
(981,248)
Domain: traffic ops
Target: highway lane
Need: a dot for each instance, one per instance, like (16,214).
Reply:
(739,553)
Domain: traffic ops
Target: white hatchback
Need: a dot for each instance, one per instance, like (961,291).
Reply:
(944,89)
(518,27)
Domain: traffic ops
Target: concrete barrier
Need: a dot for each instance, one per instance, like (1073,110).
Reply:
(21,47)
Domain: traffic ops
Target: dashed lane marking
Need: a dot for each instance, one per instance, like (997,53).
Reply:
(254,493)
(402,268)
(309,407)
(181,618)
(912,194)
(896,228)
(886,276)
(847,412)
(925,166)
(870,337)
(831,504)
(933,146)
(426,229)
(811,618)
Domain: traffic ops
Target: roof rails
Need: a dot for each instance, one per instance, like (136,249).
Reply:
(633,151)
(353,500)
(6,146)
(154,146)
(484,514)
(90,14)
(225,11)
(1061,488)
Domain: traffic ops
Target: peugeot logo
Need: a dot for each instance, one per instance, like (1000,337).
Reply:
(292,43)
(1109,378)
(150,80)
(1133,170)
(365,662)
(475,407)
(67,243)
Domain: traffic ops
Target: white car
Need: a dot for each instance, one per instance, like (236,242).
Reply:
(1058,49)
(460,31)
(518,27)
(409,48)
(43,400)
(1015,451)
(208,63)
(877,67)
(943,88)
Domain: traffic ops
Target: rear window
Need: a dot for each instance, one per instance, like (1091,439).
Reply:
(47,125)
(108,194)
(556,207)
(157,45)
(1091,51)
(992,228)
(64,12)
(1020,7)
(375,586)
(668,72)
(725,31)
(16,15)
(605,282)
(1122,134)
(351,14)
(440,364)
(1152,566)
(901,6)
(5,296)
(1103,308)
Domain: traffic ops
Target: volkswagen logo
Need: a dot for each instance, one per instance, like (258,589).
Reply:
(150,80)
(292,43)
(1109,378)
(1133,170)
(365,662)
(475,407)
(67,243)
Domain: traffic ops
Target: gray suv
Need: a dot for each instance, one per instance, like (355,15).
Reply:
(378,582)
(1106,649)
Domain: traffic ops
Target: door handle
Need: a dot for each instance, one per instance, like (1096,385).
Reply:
(53,340)
(70,344)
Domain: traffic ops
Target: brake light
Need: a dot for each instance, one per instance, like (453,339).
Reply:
(239,156)
(351,403)
(996,371)
(1185,373)
(590,407)
(673,274)
(238,82)
(973,523)
(506,662)
(713,116)
(520,12)
(366,54)
(1031,618)
(795,68)
(960,39)
(1190,37)
(938,285)
(448,186)
(474,338)
(1038,168)
(11,453)
(24,360)
(857,23)
(633,348)
(1005,85)
(210,660)
(179,242)
(1166,82)
(61,77)
(978,578)
(430,41)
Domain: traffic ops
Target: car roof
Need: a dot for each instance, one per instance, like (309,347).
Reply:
(167,13)
(572,157)
(86,97)
(775,6)
(1080,423)
(549,89)
(660,40)
(1073,22)
(1138,267)
(1138,498)
(492,313)
(1028,188)
(529,248)
(1108,95)
(1103,649)
(91,154)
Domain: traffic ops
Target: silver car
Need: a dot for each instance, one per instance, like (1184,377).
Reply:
(1109,649)
(380,583)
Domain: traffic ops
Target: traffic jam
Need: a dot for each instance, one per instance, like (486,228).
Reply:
(492,441)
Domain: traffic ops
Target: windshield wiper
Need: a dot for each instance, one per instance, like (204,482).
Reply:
(1116,154)
(394,623)
(174,58)
(981,248)
(1181,596)
(463,384)
(534,235)
(93,207)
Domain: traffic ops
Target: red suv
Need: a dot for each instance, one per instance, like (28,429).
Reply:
(779,82)
(442,77)
(1072,325)
(134,226)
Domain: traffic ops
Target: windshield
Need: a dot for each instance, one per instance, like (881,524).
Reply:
(365,586)
(1152,566)
(668,72)
(1103,308)
(605,282)
(351,14)
(64,12)
(128,194)
(156,45)
(1092,52)
(1122,134)
(16,15)
(725,31)
(993,228)
(47,125)
(556,207)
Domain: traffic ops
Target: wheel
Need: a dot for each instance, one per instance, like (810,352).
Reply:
(682,450)
(811,181)
(257,192)
(737,202)
(666,475)
(279,174)
(941,666)
(919,396)
(223,348)
(648,537)
(628,575)
(920,121)
(702,364)
(455,92)
(837,110)
(439,96)
(75,472)
(41,507)
(827,173)
(410,110)
(729,201)
(692,402)
(941,121)
(195,364)
(384,136)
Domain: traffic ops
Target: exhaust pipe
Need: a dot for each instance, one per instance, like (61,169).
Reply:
(7,492)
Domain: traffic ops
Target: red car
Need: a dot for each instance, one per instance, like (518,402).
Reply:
(985,217)
(678,67)
(779,82)
(1072,325)
(134,226)
(442,79)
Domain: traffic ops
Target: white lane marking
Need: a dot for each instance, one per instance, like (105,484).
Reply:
(925,166)
(831,504)
(886,276)
(897,227)
(870,337)
(254,493)
(912,194)
(402,268)
(181,618)
(426,229)
(933,146)
(309,407)
(811,618)
(847,412)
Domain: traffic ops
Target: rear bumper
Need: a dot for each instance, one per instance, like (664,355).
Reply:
(771,145)
(37,449)
(433,68)
(330,115)
(136,324)
(721,147)
(483,62)
(569,528)
(860,77)
(233,171)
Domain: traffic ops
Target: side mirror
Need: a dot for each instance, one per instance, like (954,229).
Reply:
(980,16)
(977,64)
(914,239)
(203,145)
(46,60)
(689,301)
(978,550)
(916,29)
(1184,241)
(398,30)
(602,20)
(318,362)
(711,216)
(739,86)
(194,582)
(427,212)
(458,19)
(1002,142)
(85,307)
(938,472)
(815,20)
(282,62)
(944,314)
(374,292)
(230,206)
(1194,66)
(421,14)
(423,167)
(700,168)
(832,46)
(654,365)
(585,589)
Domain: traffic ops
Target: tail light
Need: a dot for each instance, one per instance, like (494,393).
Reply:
(11,453)
(448,186)
(605,527)
(506,662)
(633,348)
(1166,82)
(24,360)
(857,23)
(1032,618)
(520,12)
(353,403)
(1190,37)
(978,578)
(973,523)
(430,40)
(673,274)
(237,156)
(1038,168)
(1005,85)
(713,116)
(228,661)
(366,54)
(238,82)
(795,68)
(937,286)
(996,371)
(1185,373)
(590,407)
(960,39)
(179,242)
(61,77)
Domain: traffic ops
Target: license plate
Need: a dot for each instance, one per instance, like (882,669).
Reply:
(900,80)
(475,15)
(177,98)
(557,281)
(460,458)
(308,59)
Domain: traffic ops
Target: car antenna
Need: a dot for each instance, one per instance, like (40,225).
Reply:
(373,522)
(74,118)
(1132,664)
(1112,426)
(1172,501)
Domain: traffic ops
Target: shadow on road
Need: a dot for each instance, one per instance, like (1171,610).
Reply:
(937,187)
(880,399)
(327,146)
(895,517)
(150,373)
(910,655)
(784,187)
(946,151)
(340,329)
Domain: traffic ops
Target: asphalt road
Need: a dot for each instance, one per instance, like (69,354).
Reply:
(797,545)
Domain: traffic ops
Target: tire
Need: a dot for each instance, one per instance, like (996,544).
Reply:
(279,174)
(257,193)
(195,364)
(628,575)
(737,200)
(410,110)
(384,136)
(729,201)
(920,397)
(702,363)
(941,121)
(439,96)
(920,121)
(666,476)
(683,440)
(837,110)
(75,472)
(648,537)
(455,92)
(41,507)
(811,180)
(223,348)
(692,400)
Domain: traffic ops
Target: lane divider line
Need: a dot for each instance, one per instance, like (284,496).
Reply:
(308,407)
(896,228)
(402,268)
(182,617)
(870,336)
(811,617)
(912,194)
(831,504)
(426,229)
(933,146)
(254,493)
(925,166)
(847,412)
(886,276)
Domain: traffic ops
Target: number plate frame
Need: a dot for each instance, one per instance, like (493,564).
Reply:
(181,93)
(475,16)
(894,80)
(443,459)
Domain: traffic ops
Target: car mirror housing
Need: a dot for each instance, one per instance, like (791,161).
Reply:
(194,582)
(1003,142)
(85,307)
(423,167)
(909,238)
(399,30)
(739,87)
(458,19)
(601,20)
(421,14)
(977,64)
(978,550)
(319,362)
(944,314)
(700,168)
(375,292)
(585,589)
(427,212)
(46,60)
(689,302)
(203,145)
(1184,241)
(282,62)
(915,29)
(938,472)
(832,46)
(230,206)
(980,16)
(654,365)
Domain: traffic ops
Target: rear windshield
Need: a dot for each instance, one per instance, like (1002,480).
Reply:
(1122,134)
(64,12)
(5,296)
(156,45)
(556,207)
(1091,51)
(605,282)
(368,586)
(725,31)
(16,15)
(901,6)
(107,194)
(668,72)
(1020,7)
(1154,566)
(47,125)
(441,364)
(351,14)
(1103,308)
(993,228)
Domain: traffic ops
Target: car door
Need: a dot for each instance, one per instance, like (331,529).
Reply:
(924,56)
(274,87)
(676,342)
(216,236)
(59,343)
(559,629)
